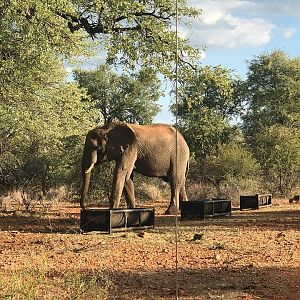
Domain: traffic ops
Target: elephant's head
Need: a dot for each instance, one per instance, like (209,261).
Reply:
(104,143)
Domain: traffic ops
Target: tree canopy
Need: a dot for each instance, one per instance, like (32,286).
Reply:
(128,98)
(273,92)
(32,38)
(207,100)
(42,116)
(271,124)
(279,156)
(39,111)
(134,32)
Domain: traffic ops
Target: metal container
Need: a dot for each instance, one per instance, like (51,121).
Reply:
(110,220)
(201,209)
(255,201)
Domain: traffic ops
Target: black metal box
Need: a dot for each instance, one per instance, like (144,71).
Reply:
(110,220)
(201,209)
(255,201)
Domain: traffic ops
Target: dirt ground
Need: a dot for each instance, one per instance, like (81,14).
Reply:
(249,255)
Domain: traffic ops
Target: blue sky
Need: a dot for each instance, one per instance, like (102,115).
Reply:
(234,31)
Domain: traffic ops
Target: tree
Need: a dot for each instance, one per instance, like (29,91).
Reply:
(134,31)
(39,147)
(271,123)
(273,93)
(33,41)
(128,98)
(41,136)
(279,154)
(138,32)
(40,114)
(207,101)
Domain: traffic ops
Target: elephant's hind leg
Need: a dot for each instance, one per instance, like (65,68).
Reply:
(173,208)
(182,195)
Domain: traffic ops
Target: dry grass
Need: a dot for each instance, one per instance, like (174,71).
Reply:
(40,283)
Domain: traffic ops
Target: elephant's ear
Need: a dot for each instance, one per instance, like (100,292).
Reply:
(120,136)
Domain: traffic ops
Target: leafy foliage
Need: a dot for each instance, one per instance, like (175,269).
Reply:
(227,172)
(273,92)
(271,124)
(42,117)
(232,164)
(280,158)
(134,32)
(31,38)
(40,142)
(128,98)
(208,98)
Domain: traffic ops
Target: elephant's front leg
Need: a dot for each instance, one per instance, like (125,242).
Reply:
(129,192)
(117,186)
(122,172)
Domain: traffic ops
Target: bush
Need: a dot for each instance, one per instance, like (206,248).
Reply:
(232,171)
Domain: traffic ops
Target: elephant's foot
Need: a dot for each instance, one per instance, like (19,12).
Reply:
(172,210)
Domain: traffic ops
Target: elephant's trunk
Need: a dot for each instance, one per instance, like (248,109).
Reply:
(88,162)
(85,186)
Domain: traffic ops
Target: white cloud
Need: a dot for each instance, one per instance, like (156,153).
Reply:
(183,31)
(202,54)
(288,32)
(257,8)
(214,11)
(241,32)
(229,24)
(211,17)
(234,32)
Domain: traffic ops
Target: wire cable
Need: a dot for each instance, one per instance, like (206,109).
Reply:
(176,159)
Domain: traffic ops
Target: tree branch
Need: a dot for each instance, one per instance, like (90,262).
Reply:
(92,28)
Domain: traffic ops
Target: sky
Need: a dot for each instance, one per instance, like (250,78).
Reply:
(235,31)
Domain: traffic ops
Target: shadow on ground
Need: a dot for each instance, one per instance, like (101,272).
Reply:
(275,220)
(39,223)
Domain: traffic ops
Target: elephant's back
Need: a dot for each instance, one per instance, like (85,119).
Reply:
(153,128)
(160,138)
(155,132)
(160,130)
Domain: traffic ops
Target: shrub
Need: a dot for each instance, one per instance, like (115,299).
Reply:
(226,174)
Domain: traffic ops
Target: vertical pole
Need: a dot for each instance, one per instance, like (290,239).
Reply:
(176,122)
(109,221)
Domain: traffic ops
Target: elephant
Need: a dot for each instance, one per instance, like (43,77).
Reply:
(156,150)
